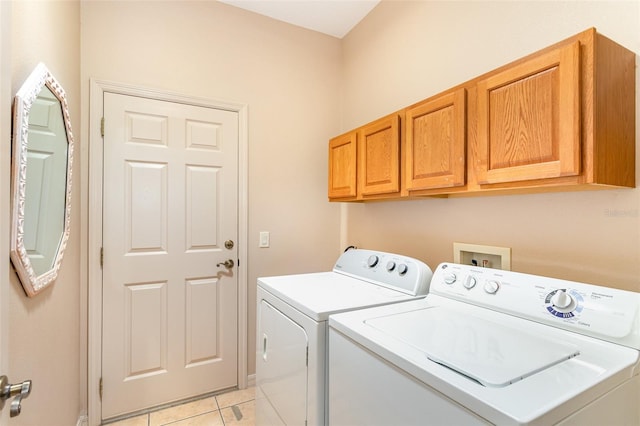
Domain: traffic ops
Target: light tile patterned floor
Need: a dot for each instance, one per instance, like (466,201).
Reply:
(231,408)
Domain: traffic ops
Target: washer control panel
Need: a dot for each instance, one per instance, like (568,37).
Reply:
(607,313)
(394,271)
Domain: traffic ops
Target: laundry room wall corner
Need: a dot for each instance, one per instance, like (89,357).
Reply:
(586,236)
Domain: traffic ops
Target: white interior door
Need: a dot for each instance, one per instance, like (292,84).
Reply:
(169,204)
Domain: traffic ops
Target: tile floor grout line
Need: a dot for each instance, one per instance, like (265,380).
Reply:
(219,410)
(192,417)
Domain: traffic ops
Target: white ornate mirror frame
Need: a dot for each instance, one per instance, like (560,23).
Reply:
(33,209)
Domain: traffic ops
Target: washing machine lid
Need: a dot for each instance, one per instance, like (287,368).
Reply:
(321,294)
(492,353)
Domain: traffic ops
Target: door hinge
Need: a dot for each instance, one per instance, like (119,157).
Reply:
(102,127)
(101,257)
(100,388)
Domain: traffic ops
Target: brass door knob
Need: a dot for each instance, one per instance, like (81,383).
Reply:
(227,264)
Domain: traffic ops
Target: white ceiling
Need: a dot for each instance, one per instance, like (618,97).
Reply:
(332,17)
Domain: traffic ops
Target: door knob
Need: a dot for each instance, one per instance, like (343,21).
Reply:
(227,264)
(19,391)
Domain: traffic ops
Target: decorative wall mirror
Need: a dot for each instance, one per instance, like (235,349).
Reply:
(41,182)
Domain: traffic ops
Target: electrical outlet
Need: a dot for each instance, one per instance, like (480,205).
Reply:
(483,256)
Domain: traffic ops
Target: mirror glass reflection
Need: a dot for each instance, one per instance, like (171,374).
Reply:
(46,181)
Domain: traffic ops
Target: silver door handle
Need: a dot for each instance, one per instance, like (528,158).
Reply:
(227,264)
(19,391)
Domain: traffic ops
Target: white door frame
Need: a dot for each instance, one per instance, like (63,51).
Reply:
(94,226)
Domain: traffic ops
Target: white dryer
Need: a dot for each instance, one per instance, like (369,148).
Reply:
(292,327)
(489,347)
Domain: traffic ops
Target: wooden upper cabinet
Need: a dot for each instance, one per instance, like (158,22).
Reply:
(562,118)
(436,142)
(379,156)
(342,166)
(529,119)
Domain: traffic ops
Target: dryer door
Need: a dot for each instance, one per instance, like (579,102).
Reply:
(281,369)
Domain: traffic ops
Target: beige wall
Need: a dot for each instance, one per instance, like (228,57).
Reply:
(5,173)
(407,51)
(44,337)
(288,77)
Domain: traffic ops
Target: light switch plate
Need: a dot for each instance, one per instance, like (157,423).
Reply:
(264,239)
(483,256)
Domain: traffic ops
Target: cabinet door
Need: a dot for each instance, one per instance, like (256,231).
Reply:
(529,119)
(379,156)
(436,142)
(342,166)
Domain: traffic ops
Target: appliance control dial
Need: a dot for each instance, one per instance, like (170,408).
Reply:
(402,269)
(372,261)
(470,282)
(561,299)
(391,265)
(450,278)
(564,303)
(492,286)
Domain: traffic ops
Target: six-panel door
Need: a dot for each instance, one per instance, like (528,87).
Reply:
(169,312)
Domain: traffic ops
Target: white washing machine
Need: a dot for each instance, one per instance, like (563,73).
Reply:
(292,327)
(489,347)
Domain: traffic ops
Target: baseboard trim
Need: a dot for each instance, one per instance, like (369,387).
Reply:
(83,420)
(251,380)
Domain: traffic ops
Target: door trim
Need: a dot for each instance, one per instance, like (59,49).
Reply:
(91,255)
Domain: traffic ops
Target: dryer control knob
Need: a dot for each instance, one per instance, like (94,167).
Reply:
(391,265)
(470,282)
(450,278)
(372,261)
(491,286)
(402,269)
(561,299)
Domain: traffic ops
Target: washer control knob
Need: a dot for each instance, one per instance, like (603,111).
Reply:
(372,261)
(561,299)
(450,278)
(391,265)
(402,269)
(470,282)
(492,286)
